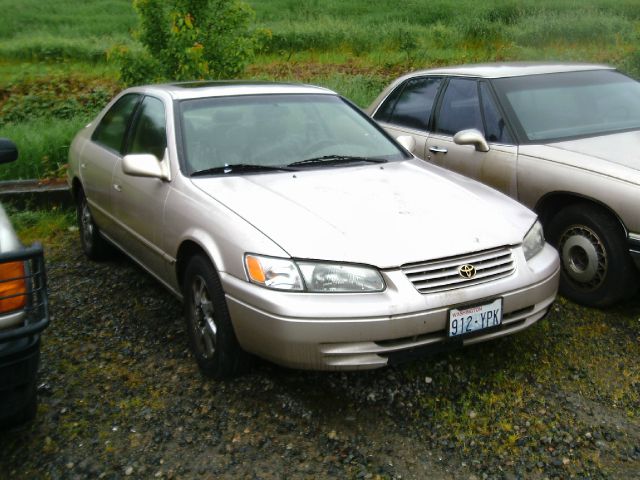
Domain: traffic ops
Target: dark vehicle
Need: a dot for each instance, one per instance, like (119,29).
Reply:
(23,316)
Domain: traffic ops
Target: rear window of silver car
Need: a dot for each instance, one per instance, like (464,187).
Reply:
(275,130)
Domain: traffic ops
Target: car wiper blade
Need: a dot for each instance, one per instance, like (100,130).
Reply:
(241,168)
(336,159)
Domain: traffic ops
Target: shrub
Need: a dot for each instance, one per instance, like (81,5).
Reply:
(189,39)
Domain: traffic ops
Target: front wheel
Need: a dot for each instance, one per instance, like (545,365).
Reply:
(597,269)
(211,336)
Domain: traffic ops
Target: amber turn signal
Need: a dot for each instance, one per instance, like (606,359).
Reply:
(13,288)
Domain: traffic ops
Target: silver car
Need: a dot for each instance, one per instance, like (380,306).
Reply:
(561,138)
(295,229)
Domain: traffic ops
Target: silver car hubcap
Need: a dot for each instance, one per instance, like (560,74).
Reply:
(87,224)
(583,256)
(204,326)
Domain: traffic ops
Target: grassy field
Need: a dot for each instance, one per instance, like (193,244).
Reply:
(55,71)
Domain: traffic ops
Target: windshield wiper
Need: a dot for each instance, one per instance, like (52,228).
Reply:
(241,168)
(336,159)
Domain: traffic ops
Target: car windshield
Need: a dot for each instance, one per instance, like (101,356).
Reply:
(560,106)
(276,131)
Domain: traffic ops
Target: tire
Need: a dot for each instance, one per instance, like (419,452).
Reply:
(211,336)
(597,270)
(29,399)
(18,393)
(93,244)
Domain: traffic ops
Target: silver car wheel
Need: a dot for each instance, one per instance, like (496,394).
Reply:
(584,256)
(87,224)
(204,325)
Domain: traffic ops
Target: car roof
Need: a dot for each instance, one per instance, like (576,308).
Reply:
(203,89)
(511,69)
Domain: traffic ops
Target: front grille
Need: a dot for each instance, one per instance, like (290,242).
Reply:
(441,275)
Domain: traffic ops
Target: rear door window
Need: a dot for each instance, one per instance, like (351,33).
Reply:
(410,104)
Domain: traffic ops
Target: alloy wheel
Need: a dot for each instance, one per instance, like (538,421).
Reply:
(203,321)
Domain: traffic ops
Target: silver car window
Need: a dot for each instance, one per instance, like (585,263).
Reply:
(412,107)
(272,130)
(111,129)
(496,130)
(460,107)
(566,105)
(149,130)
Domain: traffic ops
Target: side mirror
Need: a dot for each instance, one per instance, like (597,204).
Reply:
(8,151)
(144,165)
(408,142)
(471,137)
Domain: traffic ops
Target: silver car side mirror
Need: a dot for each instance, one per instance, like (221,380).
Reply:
(144,165)
(408,142)
(471,137)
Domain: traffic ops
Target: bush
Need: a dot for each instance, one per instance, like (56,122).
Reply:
(189,40)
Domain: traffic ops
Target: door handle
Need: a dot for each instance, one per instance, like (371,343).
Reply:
(117,187)
(438,149)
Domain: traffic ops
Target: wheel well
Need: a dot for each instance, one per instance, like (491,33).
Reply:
(548,206)
(187,250)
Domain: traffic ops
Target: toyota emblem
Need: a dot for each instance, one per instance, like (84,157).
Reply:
(467,271)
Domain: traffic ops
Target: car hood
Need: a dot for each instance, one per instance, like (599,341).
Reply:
(385,216)
(616,155)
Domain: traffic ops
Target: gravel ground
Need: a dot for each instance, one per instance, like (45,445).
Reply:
(121,397)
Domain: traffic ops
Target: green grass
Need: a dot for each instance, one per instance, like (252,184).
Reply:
(46,226)
(43,145)
(352,46)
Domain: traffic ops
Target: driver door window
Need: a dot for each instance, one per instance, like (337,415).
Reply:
(149,132)
(460,109)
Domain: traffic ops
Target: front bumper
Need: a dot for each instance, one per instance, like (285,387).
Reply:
(362,331)
(20,333)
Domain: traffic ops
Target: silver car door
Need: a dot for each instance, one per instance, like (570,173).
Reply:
(138,202)
(468,104)
(407,110)
(100,157)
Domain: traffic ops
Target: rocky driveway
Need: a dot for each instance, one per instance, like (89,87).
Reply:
(121,397)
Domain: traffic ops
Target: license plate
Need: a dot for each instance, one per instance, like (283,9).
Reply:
(463,321)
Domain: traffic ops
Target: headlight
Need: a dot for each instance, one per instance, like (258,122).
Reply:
(335,277)
(276,273)
(319,277)
(533,241)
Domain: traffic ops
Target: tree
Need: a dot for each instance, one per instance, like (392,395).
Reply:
(189,40)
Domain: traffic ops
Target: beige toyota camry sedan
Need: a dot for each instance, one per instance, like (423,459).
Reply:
(564,139)
(295,229)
